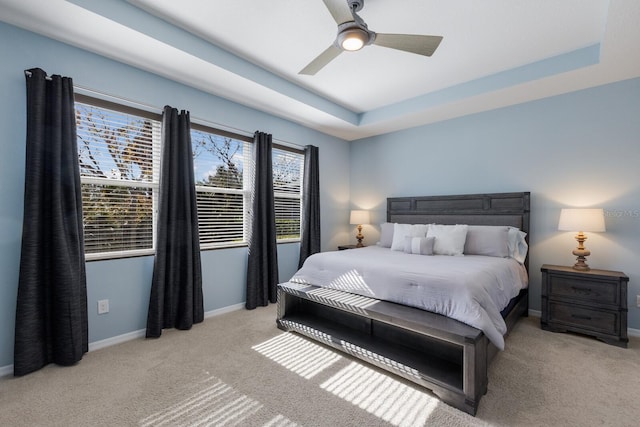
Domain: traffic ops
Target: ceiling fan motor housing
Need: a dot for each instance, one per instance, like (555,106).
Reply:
(356,5)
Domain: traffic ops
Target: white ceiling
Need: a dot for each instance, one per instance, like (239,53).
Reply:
(495,53)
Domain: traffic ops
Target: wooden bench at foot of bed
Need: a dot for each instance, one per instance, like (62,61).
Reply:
(444,355)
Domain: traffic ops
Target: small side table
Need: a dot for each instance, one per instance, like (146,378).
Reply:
(345,247)
(592,302)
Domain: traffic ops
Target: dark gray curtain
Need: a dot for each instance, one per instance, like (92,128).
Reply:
(176,290)
(51,310)
(262,268)
(310,227)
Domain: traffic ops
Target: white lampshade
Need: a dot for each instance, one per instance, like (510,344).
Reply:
(581,220)
(359,217)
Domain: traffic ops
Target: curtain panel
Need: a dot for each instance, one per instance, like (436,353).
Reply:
(176,299)
(51,308)
(310,227)
(262,266)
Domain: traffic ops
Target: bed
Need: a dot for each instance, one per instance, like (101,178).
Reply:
(440,352)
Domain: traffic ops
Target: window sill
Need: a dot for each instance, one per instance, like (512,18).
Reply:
(150,252)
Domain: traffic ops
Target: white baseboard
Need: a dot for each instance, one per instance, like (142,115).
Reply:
(224,310)
(108,342)
(6,370)
(97,345)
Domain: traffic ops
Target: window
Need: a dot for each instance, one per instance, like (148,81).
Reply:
(119,156)
(223,171)
(221,164)
(287,188)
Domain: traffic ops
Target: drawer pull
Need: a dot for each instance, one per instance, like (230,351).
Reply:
(583,291)
(577,316)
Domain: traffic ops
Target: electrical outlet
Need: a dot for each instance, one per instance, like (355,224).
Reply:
(103,306)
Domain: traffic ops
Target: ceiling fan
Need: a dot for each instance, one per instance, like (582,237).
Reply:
(353,34)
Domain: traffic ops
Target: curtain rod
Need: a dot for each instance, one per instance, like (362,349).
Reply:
(153,108)
(29,74)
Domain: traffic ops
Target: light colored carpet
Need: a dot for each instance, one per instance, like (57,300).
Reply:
(239,369)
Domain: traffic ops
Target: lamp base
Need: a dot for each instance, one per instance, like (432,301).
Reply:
(581,265)
(582,253)
(359,237)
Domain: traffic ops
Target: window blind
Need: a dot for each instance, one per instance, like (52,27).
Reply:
(287,187)
(119,158)
(220,166)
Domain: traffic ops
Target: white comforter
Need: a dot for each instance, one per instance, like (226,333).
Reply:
(472,289)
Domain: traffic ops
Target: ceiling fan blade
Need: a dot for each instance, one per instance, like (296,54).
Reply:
(422,45)
(321,60)
(340,10)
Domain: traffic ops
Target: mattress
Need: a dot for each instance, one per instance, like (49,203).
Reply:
(472,289)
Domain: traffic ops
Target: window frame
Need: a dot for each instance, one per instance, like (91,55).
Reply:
(246,191)
(247,143)
(286,195)
(154,186)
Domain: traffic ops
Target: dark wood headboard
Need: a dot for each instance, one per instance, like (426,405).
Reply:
(474,209)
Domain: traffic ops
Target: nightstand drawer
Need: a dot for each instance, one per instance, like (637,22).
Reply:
(606,322)
(578,289)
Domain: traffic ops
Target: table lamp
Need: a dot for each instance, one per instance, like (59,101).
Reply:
(581,220)
(359,217)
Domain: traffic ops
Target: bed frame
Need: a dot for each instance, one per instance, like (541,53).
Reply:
(444,355)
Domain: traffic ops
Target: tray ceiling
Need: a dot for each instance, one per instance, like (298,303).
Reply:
(495,53)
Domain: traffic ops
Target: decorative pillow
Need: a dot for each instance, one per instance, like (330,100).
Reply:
(419,245)
(386,234)
(400,231)
(449,239)
(487,240)
(518,246)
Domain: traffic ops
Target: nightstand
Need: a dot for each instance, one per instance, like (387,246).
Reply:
(344,247)
(592,302)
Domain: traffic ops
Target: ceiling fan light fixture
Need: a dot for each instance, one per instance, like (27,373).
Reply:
(353,39)
(354,34)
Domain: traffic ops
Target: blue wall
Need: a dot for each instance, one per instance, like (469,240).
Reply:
(579,149)
(576,150)
(126,282)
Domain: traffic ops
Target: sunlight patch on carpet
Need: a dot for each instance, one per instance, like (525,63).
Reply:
(280,421)
(381,395)
(297,354)
(216,404)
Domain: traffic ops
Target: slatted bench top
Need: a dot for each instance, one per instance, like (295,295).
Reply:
(410,318)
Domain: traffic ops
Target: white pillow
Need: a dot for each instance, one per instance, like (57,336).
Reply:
(400,231)
(386,234)
(449,239)
(487,240)
(419,245)
(518,246)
